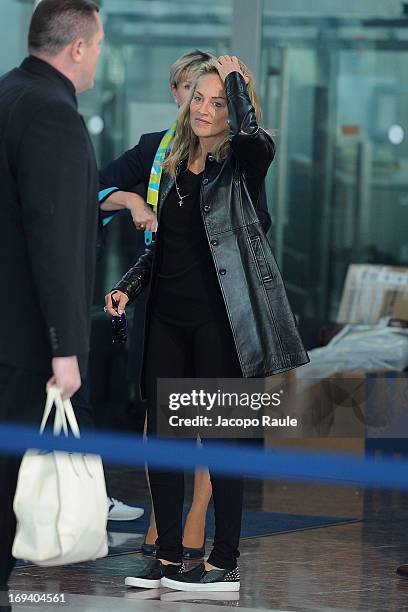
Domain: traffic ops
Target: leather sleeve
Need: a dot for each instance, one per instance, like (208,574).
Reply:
(253,146)
(138,277)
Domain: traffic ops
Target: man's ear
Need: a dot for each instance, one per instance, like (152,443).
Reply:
(77,50)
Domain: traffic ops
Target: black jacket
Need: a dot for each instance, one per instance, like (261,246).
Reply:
(262,323)
(48,219)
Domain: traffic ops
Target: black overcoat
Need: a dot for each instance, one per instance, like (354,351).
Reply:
(48,219)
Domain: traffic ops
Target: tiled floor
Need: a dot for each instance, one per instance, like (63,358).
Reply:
(348,567)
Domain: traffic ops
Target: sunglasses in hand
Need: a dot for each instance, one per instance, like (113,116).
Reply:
(119,325)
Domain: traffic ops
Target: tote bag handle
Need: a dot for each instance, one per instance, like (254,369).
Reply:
(63,413)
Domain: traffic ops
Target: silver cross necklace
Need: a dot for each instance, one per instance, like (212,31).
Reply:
(181,197)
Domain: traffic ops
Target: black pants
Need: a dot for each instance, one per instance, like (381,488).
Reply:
(22,400)
(204,351)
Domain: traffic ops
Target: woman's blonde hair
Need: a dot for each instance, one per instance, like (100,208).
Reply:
(186,65)
(185,142)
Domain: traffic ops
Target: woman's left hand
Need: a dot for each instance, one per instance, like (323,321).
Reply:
(226,64)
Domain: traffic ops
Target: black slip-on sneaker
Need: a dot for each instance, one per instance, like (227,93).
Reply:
(150,574)
(198,579)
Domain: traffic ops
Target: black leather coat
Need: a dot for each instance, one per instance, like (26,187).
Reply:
(262,322)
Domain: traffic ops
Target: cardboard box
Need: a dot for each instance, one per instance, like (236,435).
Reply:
(396,304)
(337,413)
(372,291)
(347,405)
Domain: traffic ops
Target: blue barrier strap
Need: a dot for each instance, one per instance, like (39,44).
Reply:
(242,460)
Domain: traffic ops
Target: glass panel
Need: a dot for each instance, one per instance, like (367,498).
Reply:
(142,40)
(334,87)
(370,212)
(14,20)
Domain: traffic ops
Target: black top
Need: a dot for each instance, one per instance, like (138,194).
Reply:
(186,288)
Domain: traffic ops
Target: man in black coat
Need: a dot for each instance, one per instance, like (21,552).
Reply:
(49,218)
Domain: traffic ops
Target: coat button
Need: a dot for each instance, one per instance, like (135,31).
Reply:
(214,242)
(222,271)
(205,181)
(207,208)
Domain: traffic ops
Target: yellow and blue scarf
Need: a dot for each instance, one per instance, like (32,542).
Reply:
(156,173)
(154,179)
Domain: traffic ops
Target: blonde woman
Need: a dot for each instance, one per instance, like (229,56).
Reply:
(217,306)
(138,166)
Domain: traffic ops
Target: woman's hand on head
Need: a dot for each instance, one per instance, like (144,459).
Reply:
(115,303)
(226,64)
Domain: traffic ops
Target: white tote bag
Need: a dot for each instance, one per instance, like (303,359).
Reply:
(60,503)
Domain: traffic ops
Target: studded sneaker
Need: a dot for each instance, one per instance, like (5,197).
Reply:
(199,579)
(149,574)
